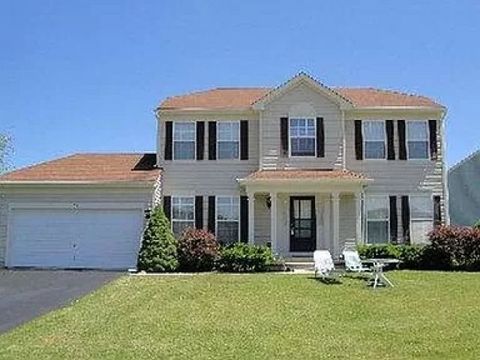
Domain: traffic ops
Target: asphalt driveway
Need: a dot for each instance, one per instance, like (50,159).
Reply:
(26,294)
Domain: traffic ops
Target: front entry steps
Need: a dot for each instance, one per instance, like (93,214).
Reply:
(299,263)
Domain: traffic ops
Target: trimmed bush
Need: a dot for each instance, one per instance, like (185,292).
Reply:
(456,248)
(158,252)
(242,257)
(411,256)
(197,250)
(476,224)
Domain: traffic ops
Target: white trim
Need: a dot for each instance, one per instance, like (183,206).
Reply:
(239,215)
(407,133)
(194,139)
(385,140)
(306,118)
(218,141)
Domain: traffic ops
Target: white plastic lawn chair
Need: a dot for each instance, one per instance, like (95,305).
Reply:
(323,264)
(353,262)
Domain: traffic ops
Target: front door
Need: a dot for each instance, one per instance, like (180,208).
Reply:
(302,224)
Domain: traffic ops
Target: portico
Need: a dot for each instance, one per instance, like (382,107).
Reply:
(300,211)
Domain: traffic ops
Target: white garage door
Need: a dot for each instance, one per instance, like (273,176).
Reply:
(83,237)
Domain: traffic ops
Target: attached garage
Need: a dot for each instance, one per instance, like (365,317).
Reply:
(77,224)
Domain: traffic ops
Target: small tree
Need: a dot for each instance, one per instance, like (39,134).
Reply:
(5,152)
(476,224)
(158,252)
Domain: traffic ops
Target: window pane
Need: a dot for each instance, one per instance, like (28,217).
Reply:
(303,146)
(227,208)
(377,207)
(183,150)
(377,232)
(305,209)
(374,130)
(417,130)
(184,131)
(228,150)
(418,150)
(228,131)
(179,227)
(421,207)
(227,232)
(374,150)
(182,208)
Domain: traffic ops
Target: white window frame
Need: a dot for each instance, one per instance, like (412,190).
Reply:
(387,219)
(364,140)
(216,214)
(412,219)
(194,139)
(306,137)
(172,212)
(407,136)
(219,141)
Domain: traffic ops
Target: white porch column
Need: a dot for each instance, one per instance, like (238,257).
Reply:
(358,218)
(273,221)
(251,218)
(336,223)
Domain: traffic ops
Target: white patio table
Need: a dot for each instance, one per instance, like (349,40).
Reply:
(378,276)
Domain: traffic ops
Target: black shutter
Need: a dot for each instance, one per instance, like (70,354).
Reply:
(393,220)
(358,140)
(168,140)
(437,211)
(406,219)
(390,142)
(244,140)
(199,212)
(200,139)
(320,138)
(211,214)
(167,206)
(432,126)
(284,135)
(402,140)
(212,140)
(244,219)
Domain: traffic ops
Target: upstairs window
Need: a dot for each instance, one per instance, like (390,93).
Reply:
(421,218)
(374,139)
(302,137)
(228,139)
(417,140)
(228,216)
(378,213)
(183,214)
(184,140)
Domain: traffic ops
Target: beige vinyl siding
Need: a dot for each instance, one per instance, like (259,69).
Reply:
(208,177)
(301,101)
(347,219)
(262,220)
(69,194)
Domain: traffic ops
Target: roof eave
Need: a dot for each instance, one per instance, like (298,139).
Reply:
(134,183)
(249,181)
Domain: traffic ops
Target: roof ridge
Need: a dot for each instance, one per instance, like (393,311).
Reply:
(464,160)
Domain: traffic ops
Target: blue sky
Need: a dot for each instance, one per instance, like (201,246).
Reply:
(84,76)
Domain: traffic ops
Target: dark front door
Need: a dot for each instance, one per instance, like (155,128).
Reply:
(302,223)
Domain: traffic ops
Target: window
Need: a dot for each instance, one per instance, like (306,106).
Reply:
(378,212)
(228,209)
(421,218)
(183,210)
(228,135)
(417,139)
(374,139)
(184,140)
(302,137)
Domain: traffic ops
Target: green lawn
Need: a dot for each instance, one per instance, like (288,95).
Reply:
(428,315)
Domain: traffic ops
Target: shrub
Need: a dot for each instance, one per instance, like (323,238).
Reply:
(456,248)
(379,251)
(197,250)
(411,256)
(158,252)
(241,257)
(476,224)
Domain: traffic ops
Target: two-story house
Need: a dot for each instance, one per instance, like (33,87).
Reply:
(299,167)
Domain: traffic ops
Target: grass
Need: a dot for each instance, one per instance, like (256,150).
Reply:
(266,316)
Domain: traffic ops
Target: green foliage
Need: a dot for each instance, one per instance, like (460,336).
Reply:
(197,250)
(411,256)
(242,257)
(476,224)
(159,247)
(5,152)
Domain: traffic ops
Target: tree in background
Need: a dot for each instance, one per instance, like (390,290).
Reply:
(5,151)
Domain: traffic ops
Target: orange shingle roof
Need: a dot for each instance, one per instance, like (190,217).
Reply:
(311,174)
(90,168)
(243,98)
